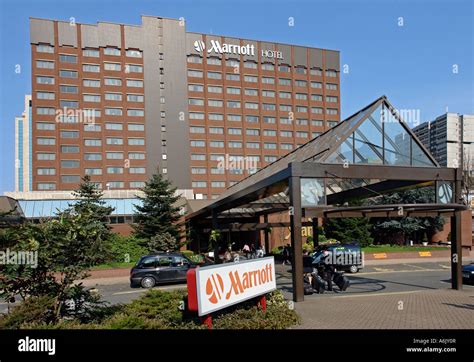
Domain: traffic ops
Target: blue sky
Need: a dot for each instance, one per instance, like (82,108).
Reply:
(411,64)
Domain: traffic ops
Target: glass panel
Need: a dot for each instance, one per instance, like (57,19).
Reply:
(312,192)
(397,142)
(343,154)
(444,192)
(419,157)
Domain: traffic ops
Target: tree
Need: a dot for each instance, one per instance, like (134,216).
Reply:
(467,184)
(157,213)
(162,243)
(349,229)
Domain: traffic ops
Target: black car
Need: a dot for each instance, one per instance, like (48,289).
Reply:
(468,273)
(160,268)
(345,257)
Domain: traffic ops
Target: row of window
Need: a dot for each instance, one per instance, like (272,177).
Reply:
(112,170)
(264,80)
(89,52)
(249,64)
(93,127)
(43,186)
(264,106)
(251,145)
(86,97)
(248,132)
(256,119)
(96,142)
(109,111)
(92,67)
(45,156)
(264,92)
(92,83)
(220,157)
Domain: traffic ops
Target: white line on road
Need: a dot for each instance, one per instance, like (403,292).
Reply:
(416,266)
(144,290)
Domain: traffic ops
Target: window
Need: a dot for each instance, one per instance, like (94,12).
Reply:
(94,83)
(214,75)
(286,134)
(231,90)
(114,126)
(195,88)
(93,171)
(332,124)
(250,79)
(198,170)
(93,53)
(270,146)
(198,143)
(235,144)
(218,184)
(198,157)
(136,155)
(45,156)
(45,111)
(136,141)
(270,158)
(253,145)
(136,127)
(68,73)
(316,85)
(331,111)
(251,92)
(232,63)
(286,146)
(269,120)
(196,59)
(216,117)
(92,156)
(316,97)
(133,68)
(92,127)
(316,71)
(231,76)
(317,123)
(331,73)
(217,144)
(67,58)
(300,70)
(44,64)
(302,134)
(234,117)
(216,130)
(113,81)
(44,48)
(251,105)
(214,103)
(315,134)
(135,83)
(114,155)
(234,131)
(69,164)
(268,66)
(284,68)
(269,132)
(217,171)
(111,51)
(268,93)
(195,73)
(199,184)
(115,184)
(68,104)
(284,81)
(135,170)
(250,65)
(113,96)
(44,186)
(301,96)
(214,61)
(331,86)
(115,170)
(135,112)
(196,102)
(112,66)
(137,184)
(93,68)
(44,95)
(69,134)
(233,104)
(268,107)
(43,126)
(195,129)
(113,111)
(132,53)
(135,98)
(70,179)
(331,99)
(268,80)
(252,132)
(301,109)
(93,142)
(91,98)
(285,108)
(213,89)
(45,171)
(301,83)
(114,141)
(69,149)
(252,119)
(285,120)
(44,80)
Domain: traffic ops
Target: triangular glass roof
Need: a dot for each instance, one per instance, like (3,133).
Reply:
(374,135)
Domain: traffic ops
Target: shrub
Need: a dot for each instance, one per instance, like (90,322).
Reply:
(125,248)
(187,253)
(277,250)
(197,258)
(31,310)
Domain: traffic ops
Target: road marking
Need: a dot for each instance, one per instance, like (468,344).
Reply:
(382,269)
(444,266)
(396,271)
(144,290)
(374,294)
(416,266)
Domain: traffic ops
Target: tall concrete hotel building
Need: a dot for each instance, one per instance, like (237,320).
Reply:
(120,101)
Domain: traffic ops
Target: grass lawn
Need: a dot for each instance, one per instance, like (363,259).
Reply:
(400,249)
(113,266)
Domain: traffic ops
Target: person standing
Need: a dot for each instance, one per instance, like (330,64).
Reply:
(246,250)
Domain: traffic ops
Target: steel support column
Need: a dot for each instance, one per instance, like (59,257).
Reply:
(456,236)
(314,221)
(296,239)
(266,233)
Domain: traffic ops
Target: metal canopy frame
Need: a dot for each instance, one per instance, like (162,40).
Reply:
(277,187)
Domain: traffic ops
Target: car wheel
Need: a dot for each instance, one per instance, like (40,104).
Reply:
(353,269)
(148,282)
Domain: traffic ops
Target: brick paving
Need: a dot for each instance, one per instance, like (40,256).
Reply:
(426,309)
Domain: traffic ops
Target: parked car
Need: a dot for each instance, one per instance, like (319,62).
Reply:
(346,257)
(468,273)
(160,268)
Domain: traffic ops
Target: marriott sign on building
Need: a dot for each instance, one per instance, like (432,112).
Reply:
(162,97)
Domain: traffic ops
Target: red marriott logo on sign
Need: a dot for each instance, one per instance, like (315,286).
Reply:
(238,283)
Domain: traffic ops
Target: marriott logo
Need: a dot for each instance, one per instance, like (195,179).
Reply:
(225,48)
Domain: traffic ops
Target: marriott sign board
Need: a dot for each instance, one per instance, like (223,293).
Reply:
(215,287)
(224,48)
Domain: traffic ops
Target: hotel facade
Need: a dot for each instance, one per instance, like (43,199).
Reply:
(118,102)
